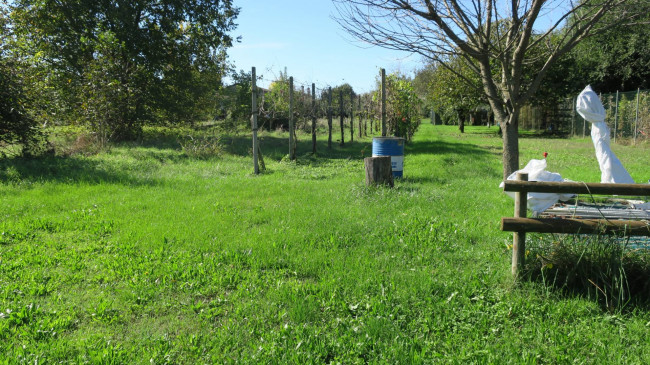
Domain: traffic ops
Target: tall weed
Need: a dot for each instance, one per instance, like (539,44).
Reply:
(598,267)
(202,146)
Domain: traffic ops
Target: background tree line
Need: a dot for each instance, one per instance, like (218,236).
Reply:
(113,66)
(616,60)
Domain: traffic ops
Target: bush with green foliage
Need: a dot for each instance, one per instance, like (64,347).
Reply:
(402,107)
(116,66)
(17,127)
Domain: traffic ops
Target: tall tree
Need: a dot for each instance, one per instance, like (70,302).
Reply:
(447,93)
(618,59)
(120,63)
(495,38)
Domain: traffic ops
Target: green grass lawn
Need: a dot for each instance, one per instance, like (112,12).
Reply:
(144,255)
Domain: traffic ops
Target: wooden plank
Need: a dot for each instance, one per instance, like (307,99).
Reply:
(577,188)
(569,225)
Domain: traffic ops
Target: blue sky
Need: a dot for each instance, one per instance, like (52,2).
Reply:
(302,36)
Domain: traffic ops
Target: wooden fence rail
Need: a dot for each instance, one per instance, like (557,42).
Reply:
(520,224)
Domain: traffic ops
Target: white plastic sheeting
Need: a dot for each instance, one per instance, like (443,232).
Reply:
(589,107)
(539,202)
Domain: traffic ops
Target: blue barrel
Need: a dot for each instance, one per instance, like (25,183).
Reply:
(393,147)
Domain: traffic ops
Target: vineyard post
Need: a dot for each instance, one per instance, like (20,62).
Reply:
(292,150)
(360,115)
(341,117)
(351,116)
(616,118)
(367,116)
(301,109)
(313,118)
(256,166)
(383,102)
(329,117)
(371,115)
(636,119)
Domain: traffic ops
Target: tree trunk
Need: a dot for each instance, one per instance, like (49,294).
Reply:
(510,137)
(378,171)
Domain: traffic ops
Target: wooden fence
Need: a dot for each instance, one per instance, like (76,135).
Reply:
(520,224)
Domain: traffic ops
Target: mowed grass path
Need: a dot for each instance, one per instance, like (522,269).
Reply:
(143,255)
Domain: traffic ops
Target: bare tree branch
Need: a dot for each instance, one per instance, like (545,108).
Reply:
(496,39)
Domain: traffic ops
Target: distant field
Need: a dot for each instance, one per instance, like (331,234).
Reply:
(144,255)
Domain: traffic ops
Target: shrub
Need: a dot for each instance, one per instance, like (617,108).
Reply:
(17,127)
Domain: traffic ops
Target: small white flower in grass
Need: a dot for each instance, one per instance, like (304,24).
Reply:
(451,296)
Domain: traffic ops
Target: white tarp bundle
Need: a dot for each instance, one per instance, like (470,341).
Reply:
(589,107)
(539,202)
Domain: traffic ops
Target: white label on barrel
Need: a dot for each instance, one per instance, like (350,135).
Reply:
(397,163)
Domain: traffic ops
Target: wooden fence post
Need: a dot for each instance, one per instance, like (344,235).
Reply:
(360,115)
(519,238)
(301,107)
(616,118)
(341,116)
(351,116)
(573,116)
(636,119)
(313,118)
(366,117)
(256,166)
(372,117)
(292,150)
(383,102)
(329,117)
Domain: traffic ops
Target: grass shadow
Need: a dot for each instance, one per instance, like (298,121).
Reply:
(444,148)
(64,170)
(276,148)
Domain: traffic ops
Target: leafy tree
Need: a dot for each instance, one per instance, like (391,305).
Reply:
(347,91)
(618,59)
(234,101)
(447,93)
(495,39)
(119,64)
(17,126)
(402,106)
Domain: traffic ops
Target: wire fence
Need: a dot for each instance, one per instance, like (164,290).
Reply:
(627,116)
(288,105)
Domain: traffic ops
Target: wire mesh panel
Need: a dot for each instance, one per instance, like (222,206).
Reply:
(627,115)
